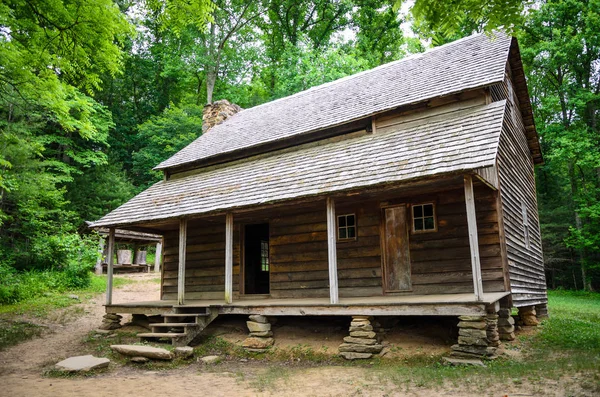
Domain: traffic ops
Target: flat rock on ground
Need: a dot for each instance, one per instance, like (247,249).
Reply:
(154,353)
(82,363)
(464,361)
(184,352)
(209,359)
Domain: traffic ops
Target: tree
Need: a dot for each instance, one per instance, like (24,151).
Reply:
(561,51)
(162,137)
(52,57)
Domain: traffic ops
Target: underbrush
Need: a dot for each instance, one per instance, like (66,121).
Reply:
(40,305)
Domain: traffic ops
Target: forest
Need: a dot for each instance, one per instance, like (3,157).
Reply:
(93,94)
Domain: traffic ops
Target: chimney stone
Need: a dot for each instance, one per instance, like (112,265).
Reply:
(217,112)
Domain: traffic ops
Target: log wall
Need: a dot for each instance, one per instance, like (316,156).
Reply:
(518,196)
(440,260)
(205,261)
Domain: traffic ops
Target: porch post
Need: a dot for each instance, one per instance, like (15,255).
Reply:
(473,240)
(331,249)
(181,272)
(228,257)
(110,258)
(158,256)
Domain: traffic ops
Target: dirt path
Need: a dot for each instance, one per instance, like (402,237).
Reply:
(64,340)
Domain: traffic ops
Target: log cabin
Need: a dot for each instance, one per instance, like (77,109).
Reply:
(407,189)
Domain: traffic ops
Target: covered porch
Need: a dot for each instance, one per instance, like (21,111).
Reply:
(306,277)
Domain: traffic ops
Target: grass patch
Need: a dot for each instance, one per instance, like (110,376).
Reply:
(567,344)
(14,329)
(42,305)
(13,332)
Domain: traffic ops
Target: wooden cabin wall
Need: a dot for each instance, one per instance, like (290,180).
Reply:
(441,260)
(517,184)
(298,254)
(205,261)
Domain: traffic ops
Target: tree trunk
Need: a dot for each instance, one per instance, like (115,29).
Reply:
(211,78)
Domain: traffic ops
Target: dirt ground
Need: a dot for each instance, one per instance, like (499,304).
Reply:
(22,366)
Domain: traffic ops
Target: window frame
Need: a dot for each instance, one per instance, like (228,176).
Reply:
(265,266)
(412,218)
(337,227)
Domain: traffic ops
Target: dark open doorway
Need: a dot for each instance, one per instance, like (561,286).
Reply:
(256,259)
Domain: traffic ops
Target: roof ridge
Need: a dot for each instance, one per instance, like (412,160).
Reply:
(377,68)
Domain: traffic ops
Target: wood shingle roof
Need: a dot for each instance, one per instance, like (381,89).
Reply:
(451,142)
(472,62)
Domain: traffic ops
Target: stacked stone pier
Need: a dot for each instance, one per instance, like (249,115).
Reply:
(261,335)
(473,337)
(111,321)
(506,324)
(363,341)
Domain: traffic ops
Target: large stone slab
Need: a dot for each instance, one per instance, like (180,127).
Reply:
(155,353)
(257,343)
(350,347)
(355,356)
(82,363)
(464,361)
(478,350)
(253,326)
(360,341)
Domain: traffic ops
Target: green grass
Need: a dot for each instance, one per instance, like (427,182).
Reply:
(14,324)
(567,344)
(43,305)
(13,332)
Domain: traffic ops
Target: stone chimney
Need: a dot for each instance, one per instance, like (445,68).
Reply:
(217,112)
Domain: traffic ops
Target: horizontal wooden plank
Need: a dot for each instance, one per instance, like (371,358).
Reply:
(324,275)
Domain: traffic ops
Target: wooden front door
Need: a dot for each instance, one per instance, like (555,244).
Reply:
(396,261)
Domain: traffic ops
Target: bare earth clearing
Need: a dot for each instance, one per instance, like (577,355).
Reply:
(22,366)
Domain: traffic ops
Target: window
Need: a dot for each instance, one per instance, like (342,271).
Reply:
(525,224)
(423,218)
(264,256)
(346,227)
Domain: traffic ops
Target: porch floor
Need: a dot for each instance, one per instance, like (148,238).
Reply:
(388,305)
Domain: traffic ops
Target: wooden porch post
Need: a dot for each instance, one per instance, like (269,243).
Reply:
(158,256)
(181,272)
(110,258)
(228,257)
(332,253)
(473,240)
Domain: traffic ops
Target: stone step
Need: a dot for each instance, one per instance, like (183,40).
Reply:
(161,335)
(174,325)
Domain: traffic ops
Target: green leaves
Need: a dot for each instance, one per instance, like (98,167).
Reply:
(162,137)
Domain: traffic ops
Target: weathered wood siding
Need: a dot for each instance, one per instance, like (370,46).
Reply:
(518,194)
(205,261)
(299,255)
(440,260)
